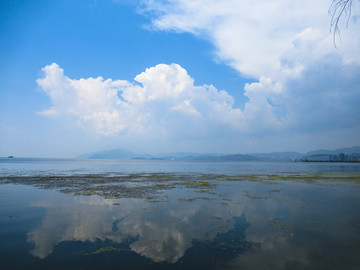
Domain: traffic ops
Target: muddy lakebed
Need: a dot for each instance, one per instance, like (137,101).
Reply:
(71,214)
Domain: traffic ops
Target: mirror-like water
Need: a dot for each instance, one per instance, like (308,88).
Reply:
(307,218)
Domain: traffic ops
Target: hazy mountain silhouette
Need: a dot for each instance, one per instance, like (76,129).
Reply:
(275,156)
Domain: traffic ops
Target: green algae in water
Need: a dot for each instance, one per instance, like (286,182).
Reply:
(85,193)
(274,190)
(192,199)
(197,184)
(105,249)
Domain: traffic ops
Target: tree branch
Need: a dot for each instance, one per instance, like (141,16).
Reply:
(338,9)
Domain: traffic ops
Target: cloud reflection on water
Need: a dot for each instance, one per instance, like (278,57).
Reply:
(163,230)
(292,225)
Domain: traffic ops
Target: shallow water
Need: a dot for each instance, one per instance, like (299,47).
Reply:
(36,166)
(188,216)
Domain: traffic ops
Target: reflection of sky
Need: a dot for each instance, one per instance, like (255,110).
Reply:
(289,224)
(163,231)
(309,229)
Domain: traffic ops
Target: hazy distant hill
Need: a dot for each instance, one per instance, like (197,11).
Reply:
(109,154)
(278,156)
(125,154)
(292,156)
(275,156)
(347,151)
(183,155)
(236,157)
(351,154)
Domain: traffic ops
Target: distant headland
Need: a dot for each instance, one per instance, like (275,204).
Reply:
(351,154)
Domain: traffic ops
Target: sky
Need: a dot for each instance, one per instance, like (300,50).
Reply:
(154,76)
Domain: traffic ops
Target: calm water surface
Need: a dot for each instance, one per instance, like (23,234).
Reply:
(36,166)
(288,222)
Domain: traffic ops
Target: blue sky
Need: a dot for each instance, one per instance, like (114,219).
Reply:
(161,76)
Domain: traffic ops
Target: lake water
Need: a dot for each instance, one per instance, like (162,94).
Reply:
(106,214)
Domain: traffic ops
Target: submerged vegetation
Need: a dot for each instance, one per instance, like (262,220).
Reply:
(145,185)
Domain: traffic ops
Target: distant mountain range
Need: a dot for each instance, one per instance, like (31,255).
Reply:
(346,151)
(275,156)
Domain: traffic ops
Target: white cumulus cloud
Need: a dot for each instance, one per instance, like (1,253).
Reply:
(163,102)
(253,36)
(163,107)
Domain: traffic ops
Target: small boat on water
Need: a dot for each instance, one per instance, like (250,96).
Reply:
(10,156)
